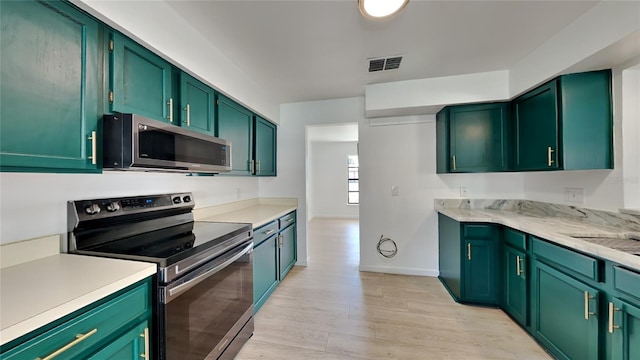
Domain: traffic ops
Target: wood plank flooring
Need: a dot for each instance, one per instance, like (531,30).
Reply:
(330,310)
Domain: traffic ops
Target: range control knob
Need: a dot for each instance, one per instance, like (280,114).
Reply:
(113,206)
(177,200)
(92,209)
(186,199)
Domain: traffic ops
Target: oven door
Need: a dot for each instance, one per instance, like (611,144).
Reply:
(202,312)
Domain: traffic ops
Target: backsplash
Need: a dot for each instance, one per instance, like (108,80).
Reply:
(542,209)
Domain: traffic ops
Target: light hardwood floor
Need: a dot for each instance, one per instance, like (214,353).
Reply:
(330,310)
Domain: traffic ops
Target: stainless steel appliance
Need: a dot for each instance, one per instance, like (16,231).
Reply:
(133,142)
(204,292)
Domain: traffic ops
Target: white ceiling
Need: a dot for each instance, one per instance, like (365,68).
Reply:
(318,49)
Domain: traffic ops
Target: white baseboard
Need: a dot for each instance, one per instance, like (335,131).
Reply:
(400,270)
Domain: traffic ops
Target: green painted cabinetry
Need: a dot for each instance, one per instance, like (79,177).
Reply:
(473,138)
(468,257)
(197,101)
(139,81)
(515,300)
(624,328)
(274,254)
(566,123)
(265,147)
(49,87)
(565,314)
(114,328)
(235,124)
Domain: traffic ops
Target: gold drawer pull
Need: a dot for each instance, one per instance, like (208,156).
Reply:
(469,251)
(549,159)
(587,313)
(94,140)
(170,103)
(79,338)
(454,163)
(612,326)
(269,232)
(188,110)
(145,335)
(518,270)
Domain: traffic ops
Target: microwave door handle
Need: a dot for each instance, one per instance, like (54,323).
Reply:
(175,291)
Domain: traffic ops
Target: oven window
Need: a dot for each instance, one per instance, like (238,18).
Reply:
(198,320)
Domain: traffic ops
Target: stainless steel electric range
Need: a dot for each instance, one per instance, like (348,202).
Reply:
(203,303)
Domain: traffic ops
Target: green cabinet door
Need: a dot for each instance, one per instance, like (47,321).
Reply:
(624,330)
(478,137)
(235,124)
(288,257)
(536,129)
(565,314)
(132,345)
(265,270)
(480,263)
(443,159)
(515,296)
(140,81)
(265,147)
(197,102)
(449,258)
(49,86)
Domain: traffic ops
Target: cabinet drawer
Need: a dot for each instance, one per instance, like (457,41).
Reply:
(287,220)
(515,239)
(95,326)
(264,232)
(571,260)
(626,281)
(477,231)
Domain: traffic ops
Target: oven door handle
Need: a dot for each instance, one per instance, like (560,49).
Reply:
(178,289)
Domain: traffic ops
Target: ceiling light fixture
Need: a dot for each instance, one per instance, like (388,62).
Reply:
(379,9)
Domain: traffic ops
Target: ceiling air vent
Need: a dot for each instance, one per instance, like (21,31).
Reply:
(380,64)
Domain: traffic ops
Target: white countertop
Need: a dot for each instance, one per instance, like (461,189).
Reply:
(257,215)
(553,229)
(38,292)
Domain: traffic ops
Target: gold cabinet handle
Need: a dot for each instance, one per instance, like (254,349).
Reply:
(280,242)
(612,326)
(94,146)
(454,162)
(79,338)
(258,167)
(518,269)
(289,220)
(549,157)
(145,335)
(170,103)
(269,232)
(251,166)
(469,251)
(188,110)
(587,313)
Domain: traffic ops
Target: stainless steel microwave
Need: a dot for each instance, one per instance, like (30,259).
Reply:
(133,142)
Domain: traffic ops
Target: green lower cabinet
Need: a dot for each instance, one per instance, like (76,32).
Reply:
(133,345)
(265,270)
(287,238)
(49,87)
(481,272)
(515,299)
(624,328)
(564,314)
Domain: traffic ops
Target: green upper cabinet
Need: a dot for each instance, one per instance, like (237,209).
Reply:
(49,87)
(265,147)
(139,81)
(197,101)
(565,124)
(235,124)
(473,138)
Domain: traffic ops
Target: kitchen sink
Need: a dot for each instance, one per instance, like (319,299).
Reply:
(629,243)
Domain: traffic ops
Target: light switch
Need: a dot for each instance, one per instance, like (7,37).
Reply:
(395,190)
(463,192)
(574,195)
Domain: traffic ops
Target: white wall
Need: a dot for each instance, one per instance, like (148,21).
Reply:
(156,25)
(631,135)
(34,205)
(328,179)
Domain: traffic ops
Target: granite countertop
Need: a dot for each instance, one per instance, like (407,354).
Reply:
(554,229)
(36,293)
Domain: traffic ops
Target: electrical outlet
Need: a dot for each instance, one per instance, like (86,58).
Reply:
(463,191)
(574,195)
(395,190)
